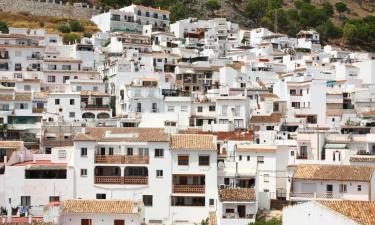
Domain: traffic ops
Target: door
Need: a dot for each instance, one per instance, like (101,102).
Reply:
(102,151)
(241,210)
(119,222)
(86,222)
(329,189)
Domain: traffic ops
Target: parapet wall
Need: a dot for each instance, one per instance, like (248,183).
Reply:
(49,8)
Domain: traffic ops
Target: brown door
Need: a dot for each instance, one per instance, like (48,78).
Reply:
(241,209)
(85,221)
(119,222)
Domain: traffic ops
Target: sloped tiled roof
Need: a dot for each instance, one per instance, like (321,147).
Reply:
(363,212)
(362,158)
(123,134)
(333,172)
(237,194)
(27,223)
(273,118)
(212,219)
(257,148)
(193,142)
(11,144)
(22,97)
(98,206)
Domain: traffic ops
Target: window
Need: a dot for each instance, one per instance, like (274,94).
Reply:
(57,101)
(266,178)
(200,109)
(79,88)
(359,187)
(83,151)
(71,101)
(291,153)
(51,79)
(212,202)
(147,200)
(110,151)
(27,87)
(72,114)
(240,157)
(184,108)
(204,160)
(183,160)
(260,159)
(170,108)
(66,67)
(25,201)
(159,173)
(54,198)
(269,128)
(211,108)
(343,188)
(83,172)
(159,152)
(129,151)
(224,110)
(101,196)
(62,154)
(248,158)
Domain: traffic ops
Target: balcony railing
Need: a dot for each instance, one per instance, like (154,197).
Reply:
(314,195)
(121,180)
(38,110)
(121,159)
(189,189)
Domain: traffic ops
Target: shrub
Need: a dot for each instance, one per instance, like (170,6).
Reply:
(63,28)
(3,27)
(76,26)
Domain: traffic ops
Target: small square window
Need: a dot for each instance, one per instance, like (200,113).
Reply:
(147,200)
(240,157)
(212,202)
(183,160)
(200,109)
(83,172)
(54,198)
(57,101)
(83,151)
(204,160)
(159,153)
(359,187)
(101,196)
(72,114)
(248,158)
(159,173)
(71,101)
(260,159)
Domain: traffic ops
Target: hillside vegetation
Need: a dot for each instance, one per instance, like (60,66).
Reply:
(349,23)
(70,29)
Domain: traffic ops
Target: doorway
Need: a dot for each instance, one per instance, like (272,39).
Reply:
(241,210)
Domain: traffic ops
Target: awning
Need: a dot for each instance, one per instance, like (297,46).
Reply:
(45,167)
(335,146)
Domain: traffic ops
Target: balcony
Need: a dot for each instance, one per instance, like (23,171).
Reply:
(38,110)
(121,159)
(96,107)
(121,180)
(313,195)
(196,189)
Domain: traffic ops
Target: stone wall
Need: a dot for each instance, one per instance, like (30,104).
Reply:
(48,8)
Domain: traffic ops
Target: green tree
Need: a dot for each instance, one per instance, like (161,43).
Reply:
(349,32)
(3,27)
(269,222)
(71,38)
(63,28)
(341,7)
(213,5)
(76,26)
(328,9)
(328,31)
(256,9)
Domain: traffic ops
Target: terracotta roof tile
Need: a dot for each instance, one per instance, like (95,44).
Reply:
(257,148)
(362,212)
(273,118)
(27,223)
(11,144)
(237,194)
(99,206)
(94,93)
(123,134)
(6,97)
(212,219)
(333,172)
(362,158)
(193,142)
(22,97)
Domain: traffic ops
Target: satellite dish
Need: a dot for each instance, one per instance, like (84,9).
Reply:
(221,166)
(83,104)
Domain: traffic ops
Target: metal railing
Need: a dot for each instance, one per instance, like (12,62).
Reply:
(121,159)
(121,180)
